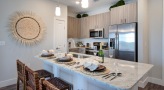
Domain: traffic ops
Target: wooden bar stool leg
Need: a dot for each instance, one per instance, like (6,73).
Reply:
(17,83)
(24,86)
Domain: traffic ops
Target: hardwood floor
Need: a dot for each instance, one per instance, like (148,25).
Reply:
(150,86)
(12,87)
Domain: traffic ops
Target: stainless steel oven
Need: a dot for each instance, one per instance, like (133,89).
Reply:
(97,33)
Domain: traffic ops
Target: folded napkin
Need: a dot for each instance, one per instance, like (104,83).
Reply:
(51,51)
(47,52)
(91,65)
(60,55)
(70,55)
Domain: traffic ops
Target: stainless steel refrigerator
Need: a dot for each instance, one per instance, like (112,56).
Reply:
(123,41)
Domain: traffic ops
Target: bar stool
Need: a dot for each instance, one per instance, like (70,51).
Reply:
(20,73)
(44,74)
(54,84)
(32,79)
(32,82)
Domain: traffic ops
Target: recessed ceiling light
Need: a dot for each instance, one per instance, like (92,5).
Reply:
(84,3)
(77,2)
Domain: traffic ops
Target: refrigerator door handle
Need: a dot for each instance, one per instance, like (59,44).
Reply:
(117,45)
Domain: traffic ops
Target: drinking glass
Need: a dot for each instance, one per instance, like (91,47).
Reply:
(95,53)
(80,57)
(111,56)
(115,63)
(116,66)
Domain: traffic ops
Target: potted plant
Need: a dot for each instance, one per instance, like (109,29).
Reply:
(119,3)
(78,16)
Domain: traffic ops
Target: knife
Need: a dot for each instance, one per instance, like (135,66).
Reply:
(117,75)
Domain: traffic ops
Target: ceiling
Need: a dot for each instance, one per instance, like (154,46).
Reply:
(93,5)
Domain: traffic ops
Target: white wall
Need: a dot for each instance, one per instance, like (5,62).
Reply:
(163,45)
(143,40)
(155,16)
(12,50)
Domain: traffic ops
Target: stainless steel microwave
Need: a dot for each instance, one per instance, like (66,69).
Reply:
(97,33)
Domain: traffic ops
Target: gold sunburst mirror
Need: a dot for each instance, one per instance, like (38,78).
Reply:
(27,28)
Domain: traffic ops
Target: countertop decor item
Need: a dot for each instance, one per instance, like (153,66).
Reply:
(27,28)
(78,16)
(119,3)
(85,15)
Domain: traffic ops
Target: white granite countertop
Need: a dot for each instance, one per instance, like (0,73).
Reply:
(132,72)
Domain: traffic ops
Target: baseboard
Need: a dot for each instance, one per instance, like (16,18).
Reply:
(156,81)
(8,82)
(143,83)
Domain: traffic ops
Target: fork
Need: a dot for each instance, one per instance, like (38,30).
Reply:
(108,75)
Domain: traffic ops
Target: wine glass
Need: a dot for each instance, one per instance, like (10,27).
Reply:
(110,56)
(80,57)
(95,53)
(116,66)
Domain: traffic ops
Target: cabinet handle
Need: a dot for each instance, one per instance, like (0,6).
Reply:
(125,20)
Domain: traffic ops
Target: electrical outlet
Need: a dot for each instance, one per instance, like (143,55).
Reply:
(2,43)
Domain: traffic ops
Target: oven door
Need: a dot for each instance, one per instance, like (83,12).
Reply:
(94,34)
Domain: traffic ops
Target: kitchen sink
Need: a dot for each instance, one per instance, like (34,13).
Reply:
(81,56)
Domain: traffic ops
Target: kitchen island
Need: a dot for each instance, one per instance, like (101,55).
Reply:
(132,73)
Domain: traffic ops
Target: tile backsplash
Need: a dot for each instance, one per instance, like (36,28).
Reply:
(90,40)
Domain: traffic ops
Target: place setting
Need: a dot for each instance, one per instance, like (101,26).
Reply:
(94,68)
(114,74)
(49,54)
(63,58)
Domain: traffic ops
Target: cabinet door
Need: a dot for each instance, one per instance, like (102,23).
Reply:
(73,27)
(124,14)
(70,28)
(99,21)
(106,19)
(92,22)
(87,27)
(114,16)
(84,28)
(117,15)
(121,16)
(78,28)
(130,13)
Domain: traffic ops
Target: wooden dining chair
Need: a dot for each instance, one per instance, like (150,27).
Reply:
(32,79)
(54,84)
(20,74)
